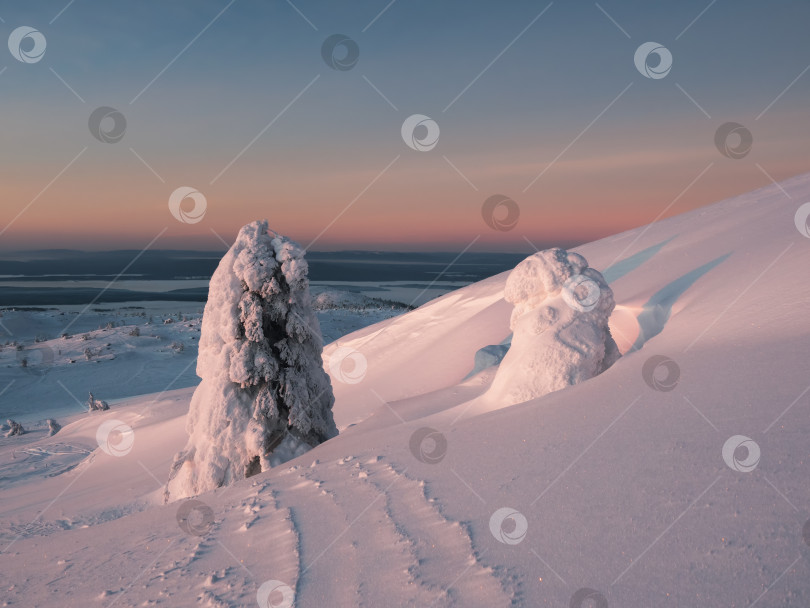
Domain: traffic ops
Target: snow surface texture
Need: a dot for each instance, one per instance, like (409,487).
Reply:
(264,397)
(560,324)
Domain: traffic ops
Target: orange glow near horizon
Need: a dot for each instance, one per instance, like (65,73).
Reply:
(420,203)
(389,217)
(564,123)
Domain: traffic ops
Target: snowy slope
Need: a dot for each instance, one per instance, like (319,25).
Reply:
(611,485)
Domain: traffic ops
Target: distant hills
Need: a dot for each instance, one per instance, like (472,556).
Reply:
(58,265)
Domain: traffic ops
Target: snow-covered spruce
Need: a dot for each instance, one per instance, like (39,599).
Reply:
(560,324)
(264,397)
(53,427)
(96,405)
(14,428)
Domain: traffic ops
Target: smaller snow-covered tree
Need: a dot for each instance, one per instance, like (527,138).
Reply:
(14,428)
(53,427)
(95,405)
(264,397)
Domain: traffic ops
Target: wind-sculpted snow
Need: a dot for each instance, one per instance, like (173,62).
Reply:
(560,325)
(264,396)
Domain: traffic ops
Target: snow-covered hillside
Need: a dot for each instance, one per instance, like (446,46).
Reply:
(678,477)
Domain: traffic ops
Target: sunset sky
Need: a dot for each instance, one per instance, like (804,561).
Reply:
(235,100)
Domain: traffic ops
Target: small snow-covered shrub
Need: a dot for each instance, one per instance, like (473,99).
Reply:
(96,405)
(15,428)
(53,427)
(264,397)
(135,331)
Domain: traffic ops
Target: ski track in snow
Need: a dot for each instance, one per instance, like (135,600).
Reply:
(384,517)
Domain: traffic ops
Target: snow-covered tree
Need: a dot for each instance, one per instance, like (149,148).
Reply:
(53,427)
(264,397)
(94,404)
(560,324)
(14,428)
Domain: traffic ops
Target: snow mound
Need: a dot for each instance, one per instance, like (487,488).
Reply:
(264,396)
(560,324)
